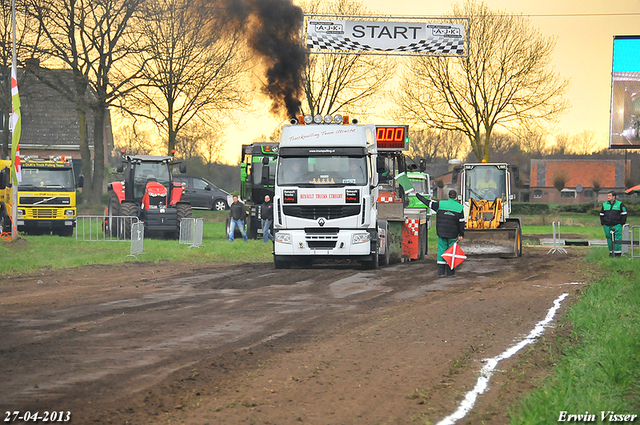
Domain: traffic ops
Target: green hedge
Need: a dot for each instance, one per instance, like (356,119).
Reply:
(529,208)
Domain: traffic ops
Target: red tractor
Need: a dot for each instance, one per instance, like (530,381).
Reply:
(149,193)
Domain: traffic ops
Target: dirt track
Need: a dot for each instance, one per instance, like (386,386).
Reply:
(241,343)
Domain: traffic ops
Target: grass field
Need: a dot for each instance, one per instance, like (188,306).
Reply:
(600,373)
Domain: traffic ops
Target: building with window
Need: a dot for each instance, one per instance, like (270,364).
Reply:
(581,180)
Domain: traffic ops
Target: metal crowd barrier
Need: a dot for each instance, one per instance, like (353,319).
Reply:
(555,248)
(191,231)
(101,228)
(137,239)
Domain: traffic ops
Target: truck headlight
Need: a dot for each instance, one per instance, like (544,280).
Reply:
(69,212)
(19,212)
(360,238)
(283,238)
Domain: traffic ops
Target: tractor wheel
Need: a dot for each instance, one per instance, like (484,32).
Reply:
(127,210)
(111,220)
(184,211)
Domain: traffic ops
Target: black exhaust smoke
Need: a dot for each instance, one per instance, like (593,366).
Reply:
(273,33)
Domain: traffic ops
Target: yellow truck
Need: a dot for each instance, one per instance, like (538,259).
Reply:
(47,196)
(5,196)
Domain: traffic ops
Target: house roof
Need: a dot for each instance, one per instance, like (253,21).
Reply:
(49,119)
(609,173)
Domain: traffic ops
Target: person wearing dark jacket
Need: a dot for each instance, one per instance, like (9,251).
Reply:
(450,225)
(238,215)
(613,216)
(266,214)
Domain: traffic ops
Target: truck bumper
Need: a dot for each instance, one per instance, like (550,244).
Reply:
(23,224)
(337,245)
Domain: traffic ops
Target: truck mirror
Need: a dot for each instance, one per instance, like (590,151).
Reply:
(80,180)
(423,165)
(265,173)
(3,178)
(265,160)
(413,167)
(183,168)
(380,166)
(120,168)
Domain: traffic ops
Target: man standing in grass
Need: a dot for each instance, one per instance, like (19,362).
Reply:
(613,216)
(238,215)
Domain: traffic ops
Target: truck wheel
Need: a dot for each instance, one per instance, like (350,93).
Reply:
(127,210)
(5,223)
(66,231)
(252,231)
(219,205)
(386,257)
(422,233)
(280,264)
(374,263)
(184,211)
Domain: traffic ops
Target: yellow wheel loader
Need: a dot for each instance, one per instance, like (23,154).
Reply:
(485,192)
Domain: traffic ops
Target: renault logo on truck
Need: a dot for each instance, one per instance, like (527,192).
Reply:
(322,221)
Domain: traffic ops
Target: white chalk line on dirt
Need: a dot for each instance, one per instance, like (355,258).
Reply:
(485,373)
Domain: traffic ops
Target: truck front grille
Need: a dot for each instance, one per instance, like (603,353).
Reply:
(41,213)
(321,244)
(313,212)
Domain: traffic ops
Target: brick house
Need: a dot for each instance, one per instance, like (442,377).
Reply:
(50,125)
(580,176)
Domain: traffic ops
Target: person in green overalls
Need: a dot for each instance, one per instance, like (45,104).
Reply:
(450,225)
(613,216)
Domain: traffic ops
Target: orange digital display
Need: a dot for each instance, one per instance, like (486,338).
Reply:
(391,137)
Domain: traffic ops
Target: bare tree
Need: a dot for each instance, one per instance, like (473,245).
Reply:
(584,143)
(193,66)
(338,82)
(431,144)
(424,143)
(91,38)
(505,81)
(562,144)
(27,38)
(532,140)
(133,140)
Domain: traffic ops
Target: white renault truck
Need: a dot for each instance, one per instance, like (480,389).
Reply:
(326,202)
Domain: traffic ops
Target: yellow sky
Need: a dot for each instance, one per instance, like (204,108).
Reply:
(584,31)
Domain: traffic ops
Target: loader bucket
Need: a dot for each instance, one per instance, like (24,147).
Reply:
(501,242)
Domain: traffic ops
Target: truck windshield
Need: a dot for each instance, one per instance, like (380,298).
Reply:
(420,185)
(322,171)
(149,171)
(256,172)
(48,178)
(485,183)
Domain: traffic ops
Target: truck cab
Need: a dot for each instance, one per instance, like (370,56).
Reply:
(47,196)
(326,188)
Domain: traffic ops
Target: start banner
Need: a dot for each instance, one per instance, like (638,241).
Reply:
(435,37)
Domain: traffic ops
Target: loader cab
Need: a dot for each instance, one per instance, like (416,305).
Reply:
(485,182)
